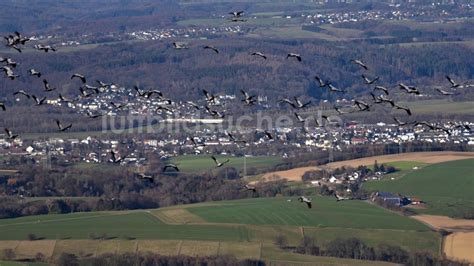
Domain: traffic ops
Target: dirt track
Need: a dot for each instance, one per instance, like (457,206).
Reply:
(424,157)
(444,222)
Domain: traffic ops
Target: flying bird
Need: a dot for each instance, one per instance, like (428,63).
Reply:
(380,88)
(9,72)
(369,81)
(250,188)
(2,106)
(334,89)
(39,101)
(299,118)
(61,127)
(10,134)
(114,158)
(180,45)
(409,89)
(453,83)
(219,164)
(212,48)
(321,82)
(399,107)
(170,166)
(358,62)
(45,48)
(33,72)
(79,76)
(305,200)
(22,92)
(143,176)
(236,14)
(260,54)
(46,86)
(297,56)
(446,93)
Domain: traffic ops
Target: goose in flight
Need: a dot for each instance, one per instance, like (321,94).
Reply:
(454,84)
(260,54)
(211,48)
(10,134)
(210,98)
(297,56)
(9,72)
(195,143)
(300,105)
(446,93)
(426,124)
(219,164)
(39,101)
(2,105)
(369,81)
(64,100)
(362,105)
(180,45)
(266,133)
(409,89)
(250,188)
(334,89)
(321,82)
(61,127)
(194,105)
(118,106)
(45,48)
(305,200)
(400,123)
(33,72)
(79,76)
(46,86)
(288,101)
(358,62)
(84,93)
(399,107)
(380,88)
(248,100)
(233,138)
(299,118)
(214,112)
(92,115)
(8,62)
(171,166)
(143,176)
(341,112)
(236,14)
(114,158)
(22,92)
(339,198)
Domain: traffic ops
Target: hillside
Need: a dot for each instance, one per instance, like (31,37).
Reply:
(445,187)
(244,228)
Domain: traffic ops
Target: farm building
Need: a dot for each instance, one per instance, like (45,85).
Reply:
(389,198)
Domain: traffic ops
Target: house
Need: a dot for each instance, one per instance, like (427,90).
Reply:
(388,198)
(415,201)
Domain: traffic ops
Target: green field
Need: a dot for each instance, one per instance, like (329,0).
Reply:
(448,188)
(245,228)
(202,163)
(326,212)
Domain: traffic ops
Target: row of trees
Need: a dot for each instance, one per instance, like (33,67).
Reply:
(355,248)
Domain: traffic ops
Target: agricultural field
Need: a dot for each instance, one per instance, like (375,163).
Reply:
(446,187)
(245,228)
(326,212)
(202,163)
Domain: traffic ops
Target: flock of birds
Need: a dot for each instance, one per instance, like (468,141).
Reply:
(379,95)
